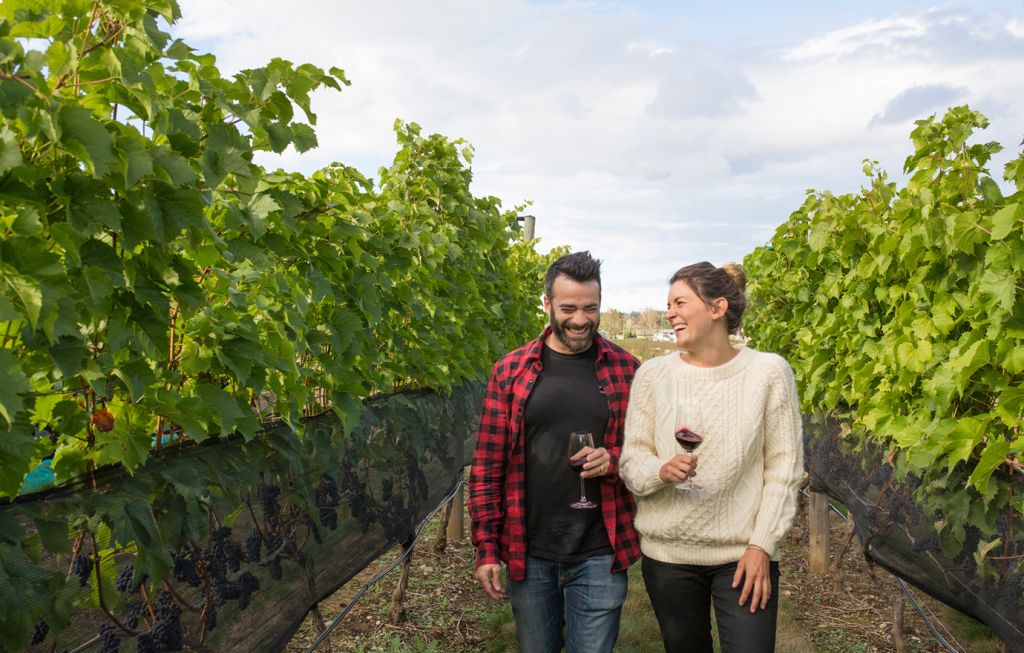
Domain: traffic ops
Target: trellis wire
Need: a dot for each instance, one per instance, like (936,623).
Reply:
(373,581)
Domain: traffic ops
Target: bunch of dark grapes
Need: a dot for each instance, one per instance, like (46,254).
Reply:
(360,509)
(247,583)
(923,544)
(879,475)
(216,572)
(898,509)
(109,642)
(329,518)
(972,536)
(225,548)
(146,643)
(253,545)
(39,632)
(185,567)
(267,495)
(81,566)
(313,529)
(218,537)
(167,629)
(136,609)
(329,490)
(124,579)
(328,499)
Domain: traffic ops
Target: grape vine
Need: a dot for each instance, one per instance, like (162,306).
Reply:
(159,289)
(900,310)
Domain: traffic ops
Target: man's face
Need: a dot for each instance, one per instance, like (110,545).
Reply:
(575,312)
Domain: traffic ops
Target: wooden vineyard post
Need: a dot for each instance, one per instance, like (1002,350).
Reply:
(441,541)
(817,528)
(456,527)
(897,623)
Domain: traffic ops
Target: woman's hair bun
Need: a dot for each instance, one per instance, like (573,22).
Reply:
(735,273)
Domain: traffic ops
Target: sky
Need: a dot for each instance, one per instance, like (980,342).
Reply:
(655,133)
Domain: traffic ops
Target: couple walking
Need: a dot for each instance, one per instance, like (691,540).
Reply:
(716,544)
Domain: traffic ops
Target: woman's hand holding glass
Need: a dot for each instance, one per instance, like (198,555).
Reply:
(679,468)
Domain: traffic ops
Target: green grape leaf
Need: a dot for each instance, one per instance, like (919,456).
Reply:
(29,292)
(10,154)
(12,385)
(1004,220)
(1010,407)
(994,454)
(87,139)
(303,137)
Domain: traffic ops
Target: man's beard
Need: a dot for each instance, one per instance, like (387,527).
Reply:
(573,344)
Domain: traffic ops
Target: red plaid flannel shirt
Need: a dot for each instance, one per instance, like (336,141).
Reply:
(497,480)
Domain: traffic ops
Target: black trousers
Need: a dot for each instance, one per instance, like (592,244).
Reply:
(682,596)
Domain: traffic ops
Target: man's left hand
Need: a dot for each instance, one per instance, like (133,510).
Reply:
(598,461)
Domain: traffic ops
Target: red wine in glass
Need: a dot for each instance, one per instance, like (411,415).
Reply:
(688,440)
(578,441)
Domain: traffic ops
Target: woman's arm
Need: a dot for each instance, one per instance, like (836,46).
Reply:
(783,460)
(639,464)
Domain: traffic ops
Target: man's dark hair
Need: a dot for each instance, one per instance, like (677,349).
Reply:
(578,266)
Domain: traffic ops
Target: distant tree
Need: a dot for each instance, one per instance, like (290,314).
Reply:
(648,322)
(613,322)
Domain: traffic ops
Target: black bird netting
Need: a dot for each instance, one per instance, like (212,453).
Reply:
(897,533)
(279,528)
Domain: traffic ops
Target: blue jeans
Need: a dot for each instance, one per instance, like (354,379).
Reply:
(584,597)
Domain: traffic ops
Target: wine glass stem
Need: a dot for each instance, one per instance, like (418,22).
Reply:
(583,492)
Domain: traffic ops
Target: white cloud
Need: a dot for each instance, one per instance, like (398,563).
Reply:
(632,139)
(877,34)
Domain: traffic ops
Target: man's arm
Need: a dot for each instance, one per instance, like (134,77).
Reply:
(627,364)
(487,475)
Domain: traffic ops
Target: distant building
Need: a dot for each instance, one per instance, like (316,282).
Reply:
(664,335)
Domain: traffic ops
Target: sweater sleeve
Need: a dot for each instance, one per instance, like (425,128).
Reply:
(639,464)
(783,461)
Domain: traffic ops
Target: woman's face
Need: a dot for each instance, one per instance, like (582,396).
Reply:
(691,319)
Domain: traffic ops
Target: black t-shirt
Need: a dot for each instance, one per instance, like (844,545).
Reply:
(566,397)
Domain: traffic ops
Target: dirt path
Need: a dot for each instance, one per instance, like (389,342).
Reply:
(445,611)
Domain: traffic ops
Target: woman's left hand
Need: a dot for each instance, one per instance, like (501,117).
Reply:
(752,570)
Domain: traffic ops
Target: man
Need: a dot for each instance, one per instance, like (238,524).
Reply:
(566,566)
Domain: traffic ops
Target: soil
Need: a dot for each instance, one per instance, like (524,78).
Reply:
(850,611)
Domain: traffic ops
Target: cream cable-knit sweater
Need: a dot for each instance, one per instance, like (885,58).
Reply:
(750,463)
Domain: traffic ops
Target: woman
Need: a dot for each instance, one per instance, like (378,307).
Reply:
(718,542)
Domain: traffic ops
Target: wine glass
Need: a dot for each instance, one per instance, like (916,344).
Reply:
(688,440)
(579,440)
